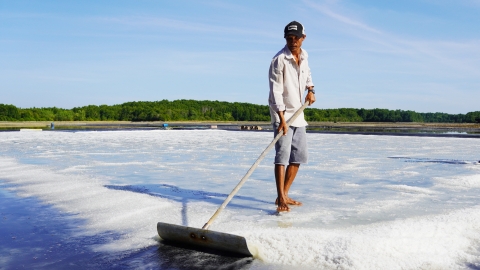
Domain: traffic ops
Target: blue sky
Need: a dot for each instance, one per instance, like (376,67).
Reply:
(421,55)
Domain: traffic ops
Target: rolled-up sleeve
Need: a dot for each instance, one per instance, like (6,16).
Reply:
(309,78)
(276,85)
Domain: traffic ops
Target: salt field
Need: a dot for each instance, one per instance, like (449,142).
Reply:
(92,200)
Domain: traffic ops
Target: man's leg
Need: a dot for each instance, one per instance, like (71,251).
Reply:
(282,155)
(280,181)
(298,155)
(292,170)
(284,182)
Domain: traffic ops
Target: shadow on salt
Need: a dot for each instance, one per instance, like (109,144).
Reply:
(185,196)
(431,160)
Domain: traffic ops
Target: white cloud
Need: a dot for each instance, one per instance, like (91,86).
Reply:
(167,24)
(339,17)
(456,55)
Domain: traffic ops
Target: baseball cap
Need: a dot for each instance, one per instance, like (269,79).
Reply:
(294,28)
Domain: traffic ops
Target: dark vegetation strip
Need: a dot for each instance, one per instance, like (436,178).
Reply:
(204,110)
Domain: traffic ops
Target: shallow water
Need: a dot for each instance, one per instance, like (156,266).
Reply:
(369,201)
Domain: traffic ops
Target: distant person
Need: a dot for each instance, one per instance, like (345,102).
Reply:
(289,77)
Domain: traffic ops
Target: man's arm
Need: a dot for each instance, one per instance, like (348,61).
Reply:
(310,96)
(283,124)
(276,93)
(311,93)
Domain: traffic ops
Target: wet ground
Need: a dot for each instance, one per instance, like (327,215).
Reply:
(36,236)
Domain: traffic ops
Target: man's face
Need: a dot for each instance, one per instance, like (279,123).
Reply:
(294,43)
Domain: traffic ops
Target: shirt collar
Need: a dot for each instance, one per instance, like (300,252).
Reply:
(289,55)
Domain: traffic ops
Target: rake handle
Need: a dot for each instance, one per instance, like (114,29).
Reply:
(254,166)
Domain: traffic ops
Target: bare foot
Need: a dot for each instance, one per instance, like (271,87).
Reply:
(293,202)
(290,201)
(283,207)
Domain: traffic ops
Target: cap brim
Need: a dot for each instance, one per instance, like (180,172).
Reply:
(293,34)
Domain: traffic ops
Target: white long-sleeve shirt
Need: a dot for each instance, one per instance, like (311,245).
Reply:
(288,82)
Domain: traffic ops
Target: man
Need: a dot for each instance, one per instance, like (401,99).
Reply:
(289,77)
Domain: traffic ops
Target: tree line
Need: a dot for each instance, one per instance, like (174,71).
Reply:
(195,110)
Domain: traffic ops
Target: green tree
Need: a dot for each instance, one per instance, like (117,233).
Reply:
(9,113)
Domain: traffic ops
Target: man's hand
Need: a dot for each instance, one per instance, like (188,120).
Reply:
(310,98)
(283,126)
